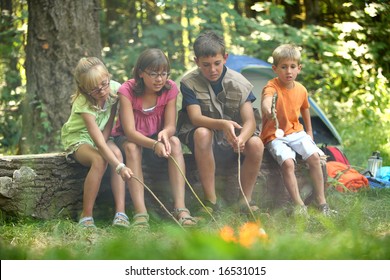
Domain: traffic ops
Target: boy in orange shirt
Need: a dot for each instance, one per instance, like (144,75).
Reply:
(292,100)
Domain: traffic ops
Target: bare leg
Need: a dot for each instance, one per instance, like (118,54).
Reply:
(290,181)
(317,177)
(176,179)
(204,157)
(117,183)
(253,152)
(90,157)
(134,162)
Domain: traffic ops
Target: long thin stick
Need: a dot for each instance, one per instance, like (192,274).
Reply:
(162,205)
(278,132)
(239,183)
(192,189)
(274,97)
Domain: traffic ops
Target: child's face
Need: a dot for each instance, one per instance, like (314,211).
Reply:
(154,80)
(211,66)
(101,91)
(287,71)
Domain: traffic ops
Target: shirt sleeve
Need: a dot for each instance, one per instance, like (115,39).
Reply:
(81,105)
(173,92)
(251,97)
(189,97)
(114,85)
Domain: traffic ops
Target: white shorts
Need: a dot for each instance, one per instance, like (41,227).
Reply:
(287,147)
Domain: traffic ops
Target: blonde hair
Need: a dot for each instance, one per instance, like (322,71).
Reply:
(89,73)
(286,51)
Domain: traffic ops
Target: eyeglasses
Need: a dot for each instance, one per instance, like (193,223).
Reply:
(100,89)
(155,75)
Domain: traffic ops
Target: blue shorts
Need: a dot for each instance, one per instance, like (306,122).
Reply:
(288,146)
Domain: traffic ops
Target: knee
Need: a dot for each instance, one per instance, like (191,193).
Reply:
(132,151)
(118,154)
(314,159)
(175,144)
(99,165)
(203,137)
(254,148)
(288,165)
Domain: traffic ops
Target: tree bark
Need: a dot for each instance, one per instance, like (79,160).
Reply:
(47,186)
(60,32)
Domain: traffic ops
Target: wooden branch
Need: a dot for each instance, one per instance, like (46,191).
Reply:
(47,186)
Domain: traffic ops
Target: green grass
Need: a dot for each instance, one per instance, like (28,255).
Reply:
(361,230)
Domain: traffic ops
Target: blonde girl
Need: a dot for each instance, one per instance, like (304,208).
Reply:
(85,137)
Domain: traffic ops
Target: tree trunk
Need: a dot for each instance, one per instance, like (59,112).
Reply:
(47,186)
(60,32)
(313,13)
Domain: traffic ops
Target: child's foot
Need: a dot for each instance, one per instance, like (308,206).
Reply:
(248,209)
(87,222)
(141,221)
(300,211)
(183,216)
(121,220)
(326,211)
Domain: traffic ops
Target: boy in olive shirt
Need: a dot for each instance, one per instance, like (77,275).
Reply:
(217,119)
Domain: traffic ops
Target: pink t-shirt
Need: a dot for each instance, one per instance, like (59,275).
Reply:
(146,122)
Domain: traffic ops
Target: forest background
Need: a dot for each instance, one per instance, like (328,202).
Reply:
(345,48)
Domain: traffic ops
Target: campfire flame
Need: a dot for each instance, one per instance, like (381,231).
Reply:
(248,234)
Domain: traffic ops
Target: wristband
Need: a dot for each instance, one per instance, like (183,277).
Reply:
(119,167)
(154,145)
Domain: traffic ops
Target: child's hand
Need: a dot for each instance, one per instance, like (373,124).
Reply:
(268,112)
(266,107)
(126,173)
(240,144)
(160,149)
(229,132)
(164,139)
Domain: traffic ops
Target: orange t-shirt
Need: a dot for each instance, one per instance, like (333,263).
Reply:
(288,109)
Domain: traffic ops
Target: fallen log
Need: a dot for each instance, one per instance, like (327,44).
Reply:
(47,186)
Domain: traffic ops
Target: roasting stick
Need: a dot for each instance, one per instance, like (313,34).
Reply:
(278,132)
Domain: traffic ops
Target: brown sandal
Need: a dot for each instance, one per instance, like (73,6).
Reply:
(183,221)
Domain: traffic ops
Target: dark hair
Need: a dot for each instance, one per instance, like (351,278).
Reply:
(209,43)
(152,60)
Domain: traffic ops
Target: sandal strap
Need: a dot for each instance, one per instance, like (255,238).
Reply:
(87,222)
(177,211)
(121,215)
(182,220)
(86,219)
(121,219)
(141,215)
(140,224)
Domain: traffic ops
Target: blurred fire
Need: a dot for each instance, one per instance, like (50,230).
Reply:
(248,234)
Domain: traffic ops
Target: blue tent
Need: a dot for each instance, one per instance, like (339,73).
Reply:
(258,72)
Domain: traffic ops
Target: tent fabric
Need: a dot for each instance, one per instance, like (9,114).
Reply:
(239,62)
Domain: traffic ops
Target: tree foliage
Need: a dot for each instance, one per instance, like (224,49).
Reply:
(346,62)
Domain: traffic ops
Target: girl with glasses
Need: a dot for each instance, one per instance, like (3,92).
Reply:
(145,131)
(85,137)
